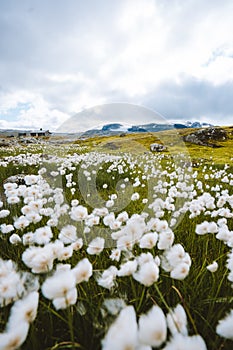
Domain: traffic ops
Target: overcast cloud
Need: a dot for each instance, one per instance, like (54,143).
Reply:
(59,57)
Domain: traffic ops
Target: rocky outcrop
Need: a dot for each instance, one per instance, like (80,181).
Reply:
(157,147)
(207,137)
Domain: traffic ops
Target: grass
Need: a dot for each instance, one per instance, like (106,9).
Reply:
(205,297)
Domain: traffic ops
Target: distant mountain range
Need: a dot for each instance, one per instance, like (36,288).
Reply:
(121,128)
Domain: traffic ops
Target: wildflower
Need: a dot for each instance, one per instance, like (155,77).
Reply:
(147,274)
(212,267)
(82,271)
(43,235)
(175,255)
(21,223)
(15,239)
(123,216)
(7,228)
(224,327)
(4,213)
(34,217)
(148,240)
(77,244)
(69,299)
(153,327)
(135,196)
(206,227)
(74,202)
(39,259)
(109,203)
(68,234)
(127,268)
(177,321)
(107,278)
(182,342)
(118,336)
(96,246)
(14,337)
(115,254)
(180,271)
(78,213)
(58,285)
(28,238)
(31,179)
(166,239)
(109,219)
(24,310)
(64,253)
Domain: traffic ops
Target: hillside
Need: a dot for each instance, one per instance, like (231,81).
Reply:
(172,139)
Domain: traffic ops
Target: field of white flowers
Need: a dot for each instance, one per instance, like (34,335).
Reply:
(115,251)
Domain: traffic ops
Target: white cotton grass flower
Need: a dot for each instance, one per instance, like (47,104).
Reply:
(206,227)
(14,337)
(123,216)
(166,239)
(58,285)
(34,217)
(128,268)
(4,213)
(64,302)
(118,335)
(135,196)
(115,255)
(28,238)
(107,279)
(6,228)
(96,246)
(32,179)
(180,272)
(148,240)
(39,259)
(74,202)
(77,245)
(21,223)
(43,235)
(177,321)
(15,239)
(68,234)
(78,213)
(224,327)
(82,271)
(24,310)
(125,243)
(175,255)
(213,267)
(145,258)
(64,253)
(147,274)
(182,342)
(110,203)
(10,287)
(152,327)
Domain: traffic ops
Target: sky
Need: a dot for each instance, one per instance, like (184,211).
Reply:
(59,58)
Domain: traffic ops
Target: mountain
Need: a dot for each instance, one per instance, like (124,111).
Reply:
(123,128)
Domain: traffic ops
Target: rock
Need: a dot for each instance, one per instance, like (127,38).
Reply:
(207,137)
(157,147)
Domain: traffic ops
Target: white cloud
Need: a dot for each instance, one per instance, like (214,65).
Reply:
(71,56)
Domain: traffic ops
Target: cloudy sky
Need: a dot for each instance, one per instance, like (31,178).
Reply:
(60,57)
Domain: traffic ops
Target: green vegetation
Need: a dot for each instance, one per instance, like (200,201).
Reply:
(206,297)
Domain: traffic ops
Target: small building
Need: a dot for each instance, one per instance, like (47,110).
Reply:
(33,133)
